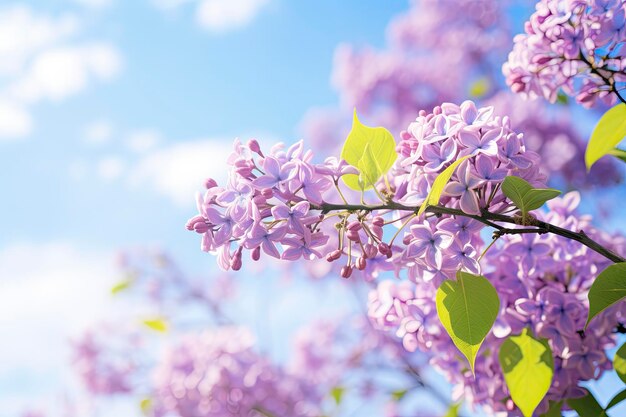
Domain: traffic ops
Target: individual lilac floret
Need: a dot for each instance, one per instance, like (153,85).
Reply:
(572,46)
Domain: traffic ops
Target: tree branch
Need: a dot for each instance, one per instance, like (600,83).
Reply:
(486,218)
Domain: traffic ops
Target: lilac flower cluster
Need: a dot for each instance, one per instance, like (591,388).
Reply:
(572,46)
(389,85)
(218,373)
(105,362)
(542,283)
(275,203)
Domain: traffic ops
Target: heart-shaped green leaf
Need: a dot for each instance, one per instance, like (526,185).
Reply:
(525,196)
(467,308)
(608,288)
(528,367)
(609,131)
(372,150)
(432,199)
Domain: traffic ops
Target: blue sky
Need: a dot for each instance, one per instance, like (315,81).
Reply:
(111,114)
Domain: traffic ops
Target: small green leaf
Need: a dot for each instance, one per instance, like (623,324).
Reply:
(586,406)
(619,362)
(399,394)
(372,150)
(453,411)
(337,394)
(156,324)
(121,286)
(609,131)
(145,405)
(479,88)
(524,196)
(432,199)
(562,98)
(619,397)
(467,308)
(528,367)
(554,409)
(608,288)
(619,154)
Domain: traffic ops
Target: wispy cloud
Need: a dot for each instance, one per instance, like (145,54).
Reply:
(223,16)
(178,171)
(219,15)
(41,58)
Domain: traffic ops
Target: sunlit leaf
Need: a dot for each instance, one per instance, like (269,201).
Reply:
(337,394)
(467,308)
(528,367)
(453,411)
(399,394)
(607,289)
(121,286)
(432,199)
(479,88)
(609,132)
(619,362)
(156,324)
(372,150)
(145,405)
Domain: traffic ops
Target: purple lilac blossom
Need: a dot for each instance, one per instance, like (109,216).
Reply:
(574,46)
(542,283)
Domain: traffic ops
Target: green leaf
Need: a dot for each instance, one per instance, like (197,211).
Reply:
(432,199)
(156,324)
(608,288)
(337,394)
(528,368)
(554,409)
(399,394)
(145,405)
(619,362)
(525,196)
(586,406)
(479,88)
(609,131)
(372,150)
(453,411)
(619,397)
(121,286)
(467,308)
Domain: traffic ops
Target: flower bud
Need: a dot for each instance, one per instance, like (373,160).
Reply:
(210,183)
(256,253)
(346,271)
(334,255)
(378,221)
(254,146)
(383,248)
(361,263)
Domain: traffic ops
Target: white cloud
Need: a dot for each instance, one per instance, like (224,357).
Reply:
(23,33)
(225,15)
(141,141)
(97,133)
(179,171)
(41,60)
(15,121)
(110,168)
(61,72)
(47,293)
